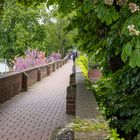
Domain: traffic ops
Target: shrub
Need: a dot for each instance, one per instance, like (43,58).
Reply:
(82,62)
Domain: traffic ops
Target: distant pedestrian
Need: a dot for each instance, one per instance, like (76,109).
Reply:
(69,54)
(74,56)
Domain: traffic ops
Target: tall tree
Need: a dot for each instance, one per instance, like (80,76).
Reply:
(58,37)
(20,29)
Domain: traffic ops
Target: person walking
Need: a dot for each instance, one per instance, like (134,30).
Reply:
(74,56)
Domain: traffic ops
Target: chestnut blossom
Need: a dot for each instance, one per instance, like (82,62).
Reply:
(121,2)
(133,7)
(132,30)
(109,2)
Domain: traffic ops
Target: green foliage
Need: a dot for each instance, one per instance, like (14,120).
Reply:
(114,135)
(19,30)
(82,62)
(31,2)
(24,27)
(57,37)
(80,125)
(119,96)
(93,63)
(127,51)
(114,30)
(105,14)
(132,50)
(105,27)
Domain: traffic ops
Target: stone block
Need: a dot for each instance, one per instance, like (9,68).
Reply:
(72,78)
(10,85)
(95,135)
(71,99)
(39,73)
(24,81)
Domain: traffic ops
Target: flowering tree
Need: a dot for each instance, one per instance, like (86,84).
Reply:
(54,57)
(32,58)
(19,30)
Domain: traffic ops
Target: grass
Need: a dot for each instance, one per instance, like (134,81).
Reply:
(80,125)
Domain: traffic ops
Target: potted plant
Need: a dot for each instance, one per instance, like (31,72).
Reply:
(94,73)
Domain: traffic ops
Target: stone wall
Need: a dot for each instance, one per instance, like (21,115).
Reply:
(71,100)
(10,86)
(71,96)
(44,71)
(32,76)
(13,83)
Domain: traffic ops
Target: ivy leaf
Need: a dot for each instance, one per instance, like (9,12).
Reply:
(100,12)
(137,57)
(127,51)
(125,27)
(132,61)
(109,20)
(123,55)
(138,43)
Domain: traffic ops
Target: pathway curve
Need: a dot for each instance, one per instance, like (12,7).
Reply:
(34,114)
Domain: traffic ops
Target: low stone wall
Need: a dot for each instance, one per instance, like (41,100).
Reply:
(29,77)
(13,83)
(55,64)
(43,71)
(71,96)
(32,76)
(72,79)
(71,100)
(59,64)
(81,103)
(95,135)
(10,86)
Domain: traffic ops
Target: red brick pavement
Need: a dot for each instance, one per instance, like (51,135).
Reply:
(34,114)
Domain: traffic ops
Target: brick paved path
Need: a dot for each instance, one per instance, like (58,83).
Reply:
(34,114)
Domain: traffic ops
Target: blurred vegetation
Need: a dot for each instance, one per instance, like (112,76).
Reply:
(82,62)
